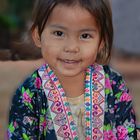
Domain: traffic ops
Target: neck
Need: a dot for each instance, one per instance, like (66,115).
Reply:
(73,86)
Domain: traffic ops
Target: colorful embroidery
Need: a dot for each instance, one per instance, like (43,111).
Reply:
(60,110)
(94,102)
(59,106)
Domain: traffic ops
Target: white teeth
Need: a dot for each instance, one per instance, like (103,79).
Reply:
(69,61)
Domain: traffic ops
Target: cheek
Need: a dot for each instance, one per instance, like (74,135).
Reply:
(90,57)
(50,52)
(90,54)
(50,41)
(47,52)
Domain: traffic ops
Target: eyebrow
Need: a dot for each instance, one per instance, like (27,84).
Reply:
(57,26)
(89,29)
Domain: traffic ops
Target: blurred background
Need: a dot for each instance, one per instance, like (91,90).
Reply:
(19,57)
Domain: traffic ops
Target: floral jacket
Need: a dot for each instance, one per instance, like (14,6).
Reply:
(30,119)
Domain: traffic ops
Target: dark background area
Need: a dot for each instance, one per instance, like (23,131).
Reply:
(15,38)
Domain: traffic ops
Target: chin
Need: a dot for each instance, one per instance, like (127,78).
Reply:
(70,73)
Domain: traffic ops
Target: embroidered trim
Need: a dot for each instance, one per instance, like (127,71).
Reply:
(59,106)
(94,102)
(64,124)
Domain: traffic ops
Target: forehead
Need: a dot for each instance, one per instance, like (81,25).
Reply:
(71,14)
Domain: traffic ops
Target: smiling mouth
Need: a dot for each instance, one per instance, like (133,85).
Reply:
(68,61)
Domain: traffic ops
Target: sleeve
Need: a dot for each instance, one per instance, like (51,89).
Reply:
(124,112)
(23,118)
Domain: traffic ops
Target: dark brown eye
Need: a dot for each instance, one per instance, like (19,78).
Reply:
(58,33)
(85,36)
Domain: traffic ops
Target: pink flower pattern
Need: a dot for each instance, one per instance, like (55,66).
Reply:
(125,97)
(108,85)
(108,135)
(122,132)
(26,98)
(37,83)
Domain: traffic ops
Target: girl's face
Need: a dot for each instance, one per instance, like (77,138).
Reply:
(70,40)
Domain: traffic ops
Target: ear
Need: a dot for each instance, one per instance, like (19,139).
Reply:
(36,38)
(101,46)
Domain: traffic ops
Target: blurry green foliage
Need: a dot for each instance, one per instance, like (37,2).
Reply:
(7,21)
(16,14)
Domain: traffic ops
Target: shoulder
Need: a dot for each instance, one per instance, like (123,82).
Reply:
(29,89)
(113,75)
(32,81)
(29,95)
(118,84)
(111,72)
(117,81)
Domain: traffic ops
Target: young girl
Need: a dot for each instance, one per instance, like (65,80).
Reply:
(74,95)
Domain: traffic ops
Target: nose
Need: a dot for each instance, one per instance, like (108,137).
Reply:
(72,46)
